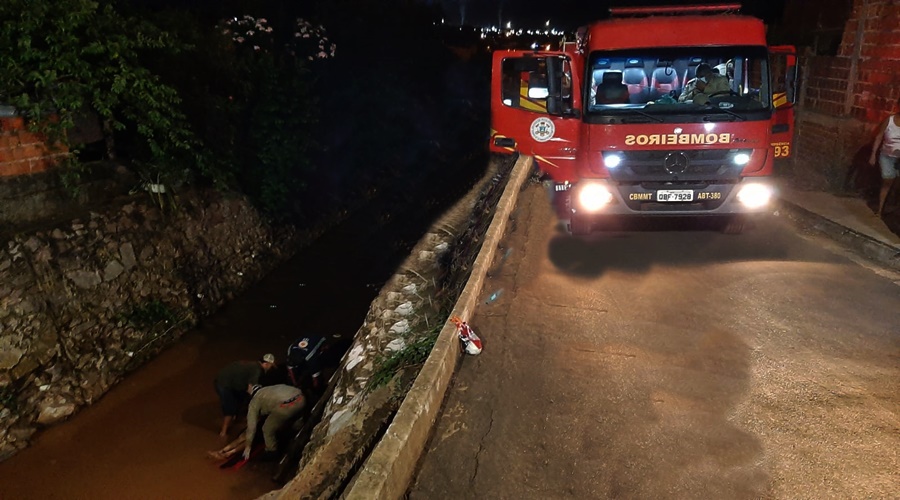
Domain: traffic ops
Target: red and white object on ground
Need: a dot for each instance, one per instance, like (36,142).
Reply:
(470,342)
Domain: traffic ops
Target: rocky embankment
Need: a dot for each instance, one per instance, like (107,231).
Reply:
(86,301)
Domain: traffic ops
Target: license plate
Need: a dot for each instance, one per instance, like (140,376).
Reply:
(675,195)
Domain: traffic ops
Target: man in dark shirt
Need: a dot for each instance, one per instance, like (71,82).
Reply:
(232,383)
(304,360)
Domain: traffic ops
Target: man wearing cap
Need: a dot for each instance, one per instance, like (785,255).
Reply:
(280,405)
(232,383)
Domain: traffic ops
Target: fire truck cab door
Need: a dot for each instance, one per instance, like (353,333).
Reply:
(783,64)
(535,109)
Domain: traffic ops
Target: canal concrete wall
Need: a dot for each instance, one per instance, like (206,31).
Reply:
(389,469)
(370,437)
(86,300)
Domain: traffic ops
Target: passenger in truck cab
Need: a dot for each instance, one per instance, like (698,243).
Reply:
(707,84)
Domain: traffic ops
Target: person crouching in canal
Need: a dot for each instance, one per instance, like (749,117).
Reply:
(231,385)
(280,405)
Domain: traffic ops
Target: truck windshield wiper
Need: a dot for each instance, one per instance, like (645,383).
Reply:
(732,113)
(648,115)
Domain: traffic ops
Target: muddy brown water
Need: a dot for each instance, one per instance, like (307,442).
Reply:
(148,436)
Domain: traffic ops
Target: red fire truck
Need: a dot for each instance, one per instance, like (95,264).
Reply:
(618,124)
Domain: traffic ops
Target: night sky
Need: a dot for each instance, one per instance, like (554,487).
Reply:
(569,14)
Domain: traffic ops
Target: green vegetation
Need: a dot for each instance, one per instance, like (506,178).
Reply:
(9,399)
(249,96)
(151,316)
(413,354)
(63,58)
(155,320)
(426,326)
(238,118)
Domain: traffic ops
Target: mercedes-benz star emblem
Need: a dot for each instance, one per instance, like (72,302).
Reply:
(675,163)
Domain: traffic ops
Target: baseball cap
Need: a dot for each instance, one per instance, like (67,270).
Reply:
(269,358)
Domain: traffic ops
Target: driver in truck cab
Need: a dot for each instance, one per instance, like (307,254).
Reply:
(707,84)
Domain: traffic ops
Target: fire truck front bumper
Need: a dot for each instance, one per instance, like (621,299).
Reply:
(602,198)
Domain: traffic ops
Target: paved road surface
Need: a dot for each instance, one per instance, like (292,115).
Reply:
(674,364)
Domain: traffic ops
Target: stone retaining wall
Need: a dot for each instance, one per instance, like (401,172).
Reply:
(86,301)
(418,298)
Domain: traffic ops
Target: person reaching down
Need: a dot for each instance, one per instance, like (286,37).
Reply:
(280,405)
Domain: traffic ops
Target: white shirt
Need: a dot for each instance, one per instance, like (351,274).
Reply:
(891,144)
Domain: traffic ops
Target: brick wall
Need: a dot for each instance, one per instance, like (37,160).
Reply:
(878,85)
(23,152)
(826,83)
(844,97)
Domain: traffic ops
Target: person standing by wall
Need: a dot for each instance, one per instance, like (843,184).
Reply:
(232,383)
(888,140)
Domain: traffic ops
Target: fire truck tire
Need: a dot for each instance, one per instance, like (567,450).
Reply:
(579,226)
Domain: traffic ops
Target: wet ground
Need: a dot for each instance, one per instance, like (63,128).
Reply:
(148,437)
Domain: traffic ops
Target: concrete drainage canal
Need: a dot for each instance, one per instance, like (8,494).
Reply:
(148,436)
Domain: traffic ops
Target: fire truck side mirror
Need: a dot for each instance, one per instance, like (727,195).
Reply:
(558,107)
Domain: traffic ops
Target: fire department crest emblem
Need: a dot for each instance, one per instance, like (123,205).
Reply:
(542,129)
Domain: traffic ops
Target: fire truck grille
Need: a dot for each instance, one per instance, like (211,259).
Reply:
(711,163)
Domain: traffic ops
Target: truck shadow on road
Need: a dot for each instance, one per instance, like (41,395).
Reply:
(641,244)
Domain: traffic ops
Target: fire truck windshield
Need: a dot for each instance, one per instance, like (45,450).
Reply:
(678,84)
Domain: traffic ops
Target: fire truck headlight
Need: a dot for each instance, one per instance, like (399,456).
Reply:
(741,159)
(592,197)
(754,195)
(611,160)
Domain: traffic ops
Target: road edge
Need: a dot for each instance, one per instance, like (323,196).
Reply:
(388,470)
(882,253)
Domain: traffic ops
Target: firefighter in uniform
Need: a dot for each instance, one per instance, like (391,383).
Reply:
(304,362)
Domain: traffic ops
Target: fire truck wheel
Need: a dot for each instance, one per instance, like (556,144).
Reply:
(734,225)
(579,226)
